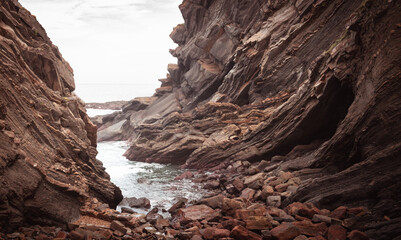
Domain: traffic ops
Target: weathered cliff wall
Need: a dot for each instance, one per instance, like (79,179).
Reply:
(48,165)
(313,86)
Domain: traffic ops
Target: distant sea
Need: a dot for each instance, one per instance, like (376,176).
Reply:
(114,91)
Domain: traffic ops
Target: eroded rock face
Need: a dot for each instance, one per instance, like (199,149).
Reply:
(48,164)
(312,86)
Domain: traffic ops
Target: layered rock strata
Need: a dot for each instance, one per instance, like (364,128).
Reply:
(48,165)
(311,86)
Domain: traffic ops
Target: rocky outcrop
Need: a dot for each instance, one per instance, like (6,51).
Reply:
(311,86)
(48,165)
(113,105)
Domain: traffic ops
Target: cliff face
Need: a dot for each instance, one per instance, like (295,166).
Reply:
(48,165)
(310,85)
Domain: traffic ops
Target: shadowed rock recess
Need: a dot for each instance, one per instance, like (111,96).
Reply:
(311,86)
(48,165)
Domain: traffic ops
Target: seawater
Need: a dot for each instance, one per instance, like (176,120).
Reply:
(151,180)
(95,112)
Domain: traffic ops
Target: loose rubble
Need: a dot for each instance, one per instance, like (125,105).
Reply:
(236,209)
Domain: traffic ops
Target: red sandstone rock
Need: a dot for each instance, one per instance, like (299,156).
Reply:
(258,222)
(302,209)
(118,226)
(309,229)
(215,233)
(197,212)
(339,213)
(336,232)
(357,235)
(285,231)
(231,223)
(241,233)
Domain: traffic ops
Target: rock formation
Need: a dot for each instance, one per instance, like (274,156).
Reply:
(113,105)
(48,165)
(312,86)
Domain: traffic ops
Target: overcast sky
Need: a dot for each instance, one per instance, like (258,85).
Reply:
(117,48)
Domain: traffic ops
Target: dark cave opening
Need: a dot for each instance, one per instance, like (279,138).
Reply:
(322,120)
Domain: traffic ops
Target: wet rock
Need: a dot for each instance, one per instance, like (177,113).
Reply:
(152,217)
(179,204)
(214,184)
(139,202)
(240,233)
(127,210)
(285,231)
(185,175)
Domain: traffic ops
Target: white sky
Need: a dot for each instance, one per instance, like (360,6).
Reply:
(117,48)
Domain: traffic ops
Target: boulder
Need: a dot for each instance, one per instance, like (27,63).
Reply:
(253,178)
(118,226)
(310,229)
(285,231)
(357,235)
(258,222)
(213,202)
(179,204)
(215,233)
(248,193)
(197,212)
(274,201)
(230,205)
(241,233)
(336,232)
(139,202)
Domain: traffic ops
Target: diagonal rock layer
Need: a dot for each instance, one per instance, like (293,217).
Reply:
(48,165)
(312,86)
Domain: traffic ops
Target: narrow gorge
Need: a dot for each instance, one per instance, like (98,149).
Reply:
(286,111)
